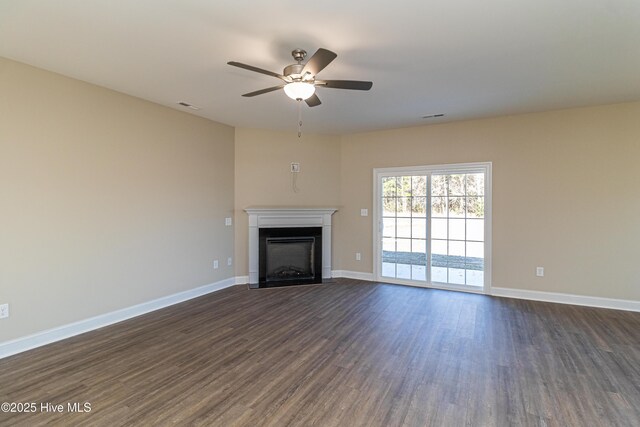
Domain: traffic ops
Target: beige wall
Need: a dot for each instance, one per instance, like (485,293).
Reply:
(263,177)
(565,194)
(106,200)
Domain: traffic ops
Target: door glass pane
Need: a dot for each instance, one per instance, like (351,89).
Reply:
(438,185)
(388,227)
(456,229)
(456,207)
(389,206)
(419,272)
(403,207)
(418,186)
(475,207)
(419,206)
(389,245)
(404,227)
(475,251)
(475,277)
(403,271)
(456,253)
(438,274)
(439,247)
(388,269)
(438,228)
(457,276)
(403,188)
(403,245)
(438,206)
(418,228)
(389,187)
(419,246)
(475,230)
(456,185)
(475,184)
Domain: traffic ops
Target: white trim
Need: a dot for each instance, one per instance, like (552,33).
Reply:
(616,304)
(242,280)
(488,227)
(451,168)
(359,275)
(378,173)
(555,297)
(18,345)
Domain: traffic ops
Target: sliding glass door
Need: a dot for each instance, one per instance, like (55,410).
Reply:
(432,225)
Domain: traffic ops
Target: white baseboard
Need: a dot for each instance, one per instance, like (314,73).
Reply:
(19,345)
(49,336)
(352,275)
(617,304)
(242,280)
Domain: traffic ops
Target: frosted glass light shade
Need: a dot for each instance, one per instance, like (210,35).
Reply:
(299,90)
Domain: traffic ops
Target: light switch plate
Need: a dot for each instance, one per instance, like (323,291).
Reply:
(364,212)
(228,221)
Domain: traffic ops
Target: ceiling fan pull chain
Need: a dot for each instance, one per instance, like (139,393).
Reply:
(299,118)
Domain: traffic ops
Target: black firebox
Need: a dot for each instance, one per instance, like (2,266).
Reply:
(290,256)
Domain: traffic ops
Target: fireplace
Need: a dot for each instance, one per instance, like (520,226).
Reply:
(303,223)
(290,256)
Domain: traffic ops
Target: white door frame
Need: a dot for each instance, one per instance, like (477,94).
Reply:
(379,173)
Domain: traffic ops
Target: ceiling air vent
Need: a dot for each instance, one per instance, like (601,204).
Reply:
(433,116)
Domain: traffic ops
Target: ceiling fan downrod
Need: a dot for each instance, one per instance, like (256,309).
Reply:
(299,118)
(299,55)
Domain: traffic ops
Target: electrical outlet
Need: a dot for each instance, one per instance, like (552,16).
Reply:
(364,212)
(295,167)
(358,256)
(229,261)
(540,271)
(215,263)
(4,311)
(228,221)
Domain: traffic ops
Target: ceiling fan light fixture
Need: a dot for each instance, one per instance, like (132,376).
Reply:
(299,90)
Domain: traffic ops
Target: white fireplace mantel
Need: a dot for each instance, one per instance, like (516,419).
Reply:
(281,217)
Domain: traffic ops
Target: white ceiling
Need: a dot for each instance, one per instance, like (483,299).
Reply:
(465,58)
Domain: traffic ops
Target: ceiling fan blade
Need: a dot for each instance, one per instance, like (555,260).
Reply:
(345,84)
(313,101)
(260,92)
(318,61)
(257,70)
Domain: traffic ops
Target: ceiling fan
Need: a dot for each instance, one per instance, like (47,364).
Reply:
(300,79)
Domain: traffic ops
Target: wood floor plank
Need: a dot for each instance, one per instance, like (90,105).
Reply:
(344,353)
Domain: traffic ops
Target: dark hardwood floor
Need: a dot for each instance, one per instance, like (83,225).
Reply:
(349,353)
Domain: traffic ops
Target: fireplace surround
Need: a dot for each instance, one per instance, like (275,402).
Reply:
(261,218)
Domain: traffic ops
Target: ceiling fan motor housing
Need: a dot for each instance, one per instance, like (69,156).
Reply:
(293,70)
